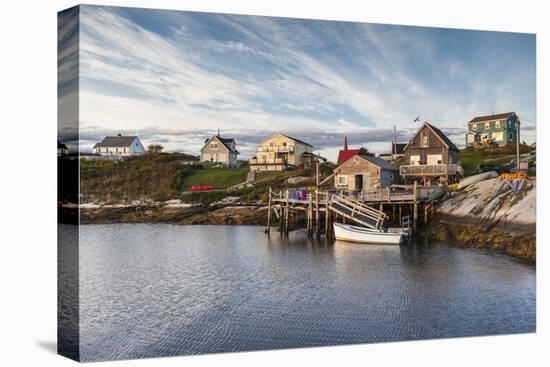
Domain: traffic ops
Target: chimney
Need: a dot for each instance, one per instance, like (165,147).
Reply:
(218,132)
(118,134)
(345,143)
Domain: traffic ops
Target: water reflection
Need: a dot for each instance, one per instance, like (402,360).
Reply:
(152,290)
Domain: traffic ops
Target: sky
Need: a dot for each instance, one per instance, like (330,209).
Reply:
(175,78)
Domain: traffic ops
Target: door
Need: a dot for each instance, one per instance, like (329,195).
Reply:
(358,182)
(434,159)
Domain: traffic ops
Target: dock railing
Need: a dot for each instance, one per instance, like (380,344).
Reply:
(394,193)
(429,169)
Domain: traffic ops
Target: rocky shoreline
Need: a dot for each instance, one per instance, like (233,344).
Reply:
(221,213)
(521,246)
(479,216)
(482,216)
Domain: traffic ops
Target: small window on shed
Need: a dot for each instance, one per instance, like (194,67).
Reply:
(342,180)
(425,141)
(487,124)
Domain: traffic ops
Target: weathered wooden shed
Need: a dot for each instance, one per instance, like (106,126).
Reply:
(430,154)
(362,172)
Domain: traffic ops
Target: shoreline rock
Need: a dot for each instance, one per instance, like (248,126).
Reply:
(521,246)
(176,213)
(482,216)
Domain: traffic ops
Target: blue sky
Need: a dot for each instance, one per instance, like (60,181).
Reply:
(176,77)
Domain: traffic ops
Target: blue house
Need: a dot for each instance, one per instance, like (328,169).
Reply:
(499,129)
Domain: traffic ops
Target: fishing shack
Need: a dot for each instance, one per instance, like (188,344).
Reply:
(365,173)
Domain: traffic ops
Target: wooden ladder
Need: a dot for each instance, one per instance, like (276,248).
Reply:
(357,212)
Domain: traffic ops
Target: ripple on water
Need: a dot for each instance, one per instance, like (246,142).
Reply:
(158,290)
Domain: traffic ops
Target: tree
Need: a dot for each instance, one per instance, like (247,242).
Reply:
(154,148)
(365,151)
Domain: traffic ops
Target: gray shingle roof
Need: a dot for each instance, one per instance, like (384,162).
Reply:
(443,137)
(378,162)
(492,117)
(116,141)
(225,141)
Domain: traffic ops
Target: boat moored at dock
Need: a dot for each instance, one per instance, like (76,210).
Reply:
(351,233)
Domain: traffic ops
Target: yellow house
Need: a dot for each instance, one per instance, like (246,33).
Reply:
(278,153)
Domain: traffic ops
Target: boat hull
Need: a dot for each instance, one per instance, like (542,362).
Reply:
(346,232)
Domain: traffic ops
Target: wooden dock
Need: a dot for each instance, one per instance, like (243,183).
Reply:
(319,208)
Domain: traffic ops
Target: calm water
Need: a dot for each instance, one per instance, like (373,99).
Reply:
(157,290)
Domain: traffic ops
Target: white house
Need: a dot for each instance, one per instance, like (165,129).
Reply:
(220,150)
(62,149)
(280,152)
(119,146)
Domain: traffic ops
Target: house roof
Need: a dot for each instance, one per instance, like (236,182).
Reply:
(225,141)
(344,155)
(290,137)
(314,156)
(438,133)
(492,117)
(399,148)
(377,161)
(118,141)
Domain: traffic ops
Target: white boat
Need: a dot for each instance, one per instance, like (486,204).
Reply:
(347,232)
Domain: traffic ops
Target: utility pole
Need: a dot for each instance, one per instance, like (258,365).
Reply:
(517,143)
(394,143)
(317,226)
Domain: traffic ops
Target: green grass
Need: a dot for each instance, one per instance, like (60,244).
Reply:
(220,178)
(471,158)
(275,175)
(162,177)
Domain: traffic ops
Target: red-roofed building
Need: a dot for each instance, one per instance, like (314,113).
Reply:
(346,153)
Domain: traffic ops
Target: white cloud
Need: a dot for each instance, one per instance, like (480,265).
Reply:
(182,82)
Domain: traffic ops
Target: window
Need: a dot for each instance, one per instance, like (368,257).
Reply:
(471,138)
(497,124)
(434,159)
(391,176)
(214,145)
(498,136)
(342,180)
(474,127)
(425,141)
(510,137)
(415,160)
(487,125)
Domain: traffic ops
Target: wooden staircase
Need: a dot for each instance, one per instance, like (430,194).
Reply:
(357,212)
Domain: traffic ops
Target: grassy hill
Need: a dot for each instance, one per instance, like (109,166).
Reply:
(471,158)
(220,178)
(156,177)
(167,176)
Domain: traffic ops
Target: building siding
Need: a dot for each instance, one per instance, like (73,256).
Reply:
(215,151)
(493,129)
(274,148)
(435,147)
(134,148)
(373,177)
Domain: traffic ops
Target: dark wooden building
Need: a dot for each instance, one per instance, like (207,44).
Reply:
(430,154)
